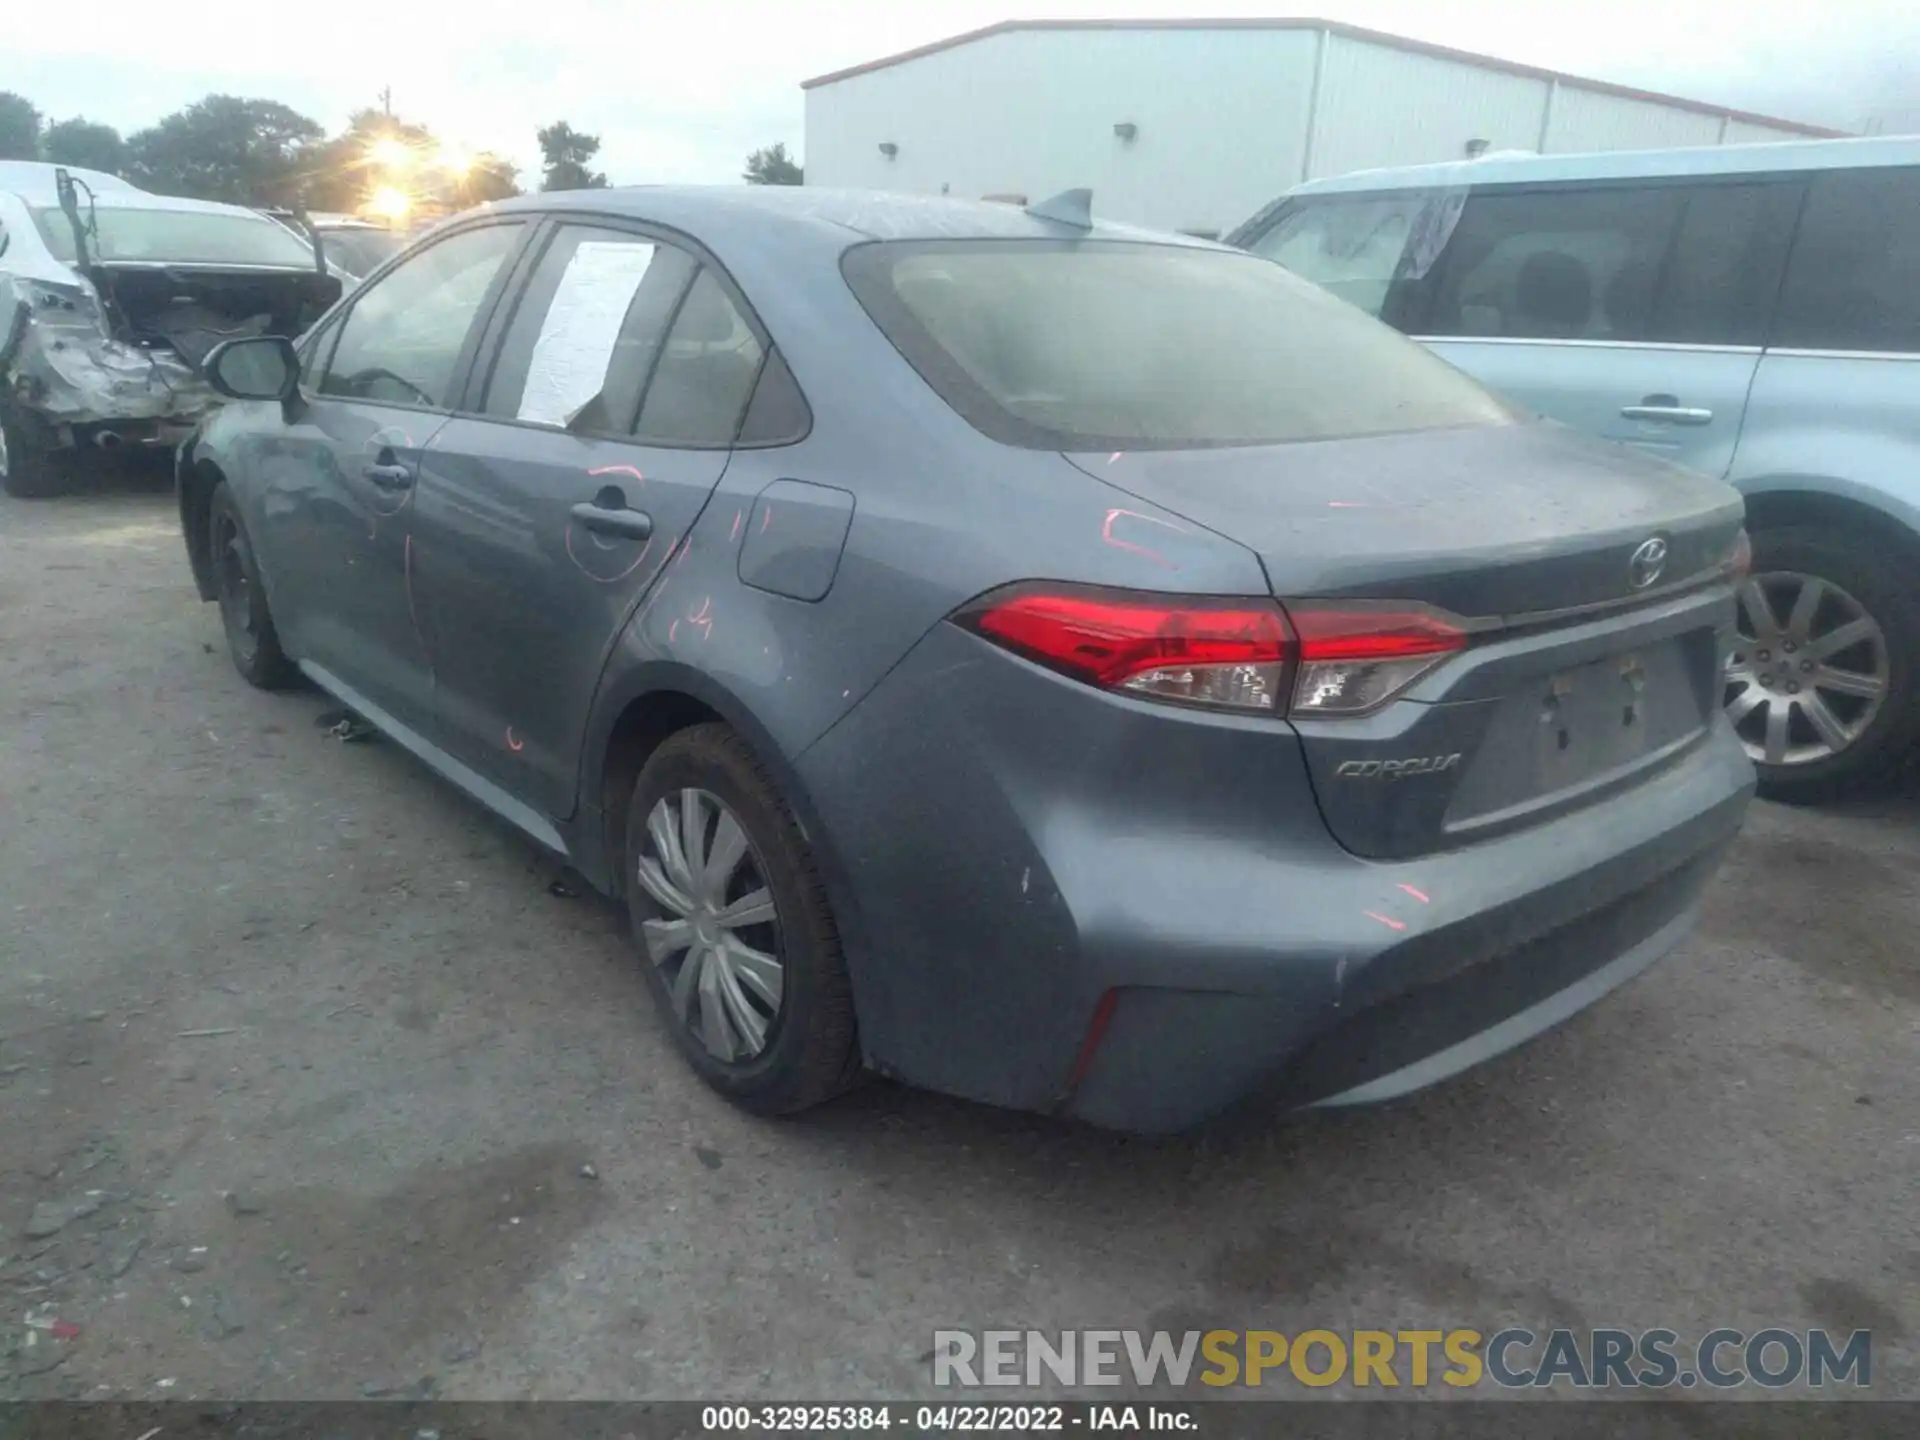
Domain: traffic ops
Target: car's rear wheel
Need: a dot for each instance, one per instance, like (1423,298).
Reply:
(29,469)
(251,639)
(1821,686)
(732,922)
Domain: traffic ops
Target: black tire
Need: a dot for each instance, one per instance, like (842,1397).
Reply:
(1877,579)
(251,639)
(812,1050)
(29,468)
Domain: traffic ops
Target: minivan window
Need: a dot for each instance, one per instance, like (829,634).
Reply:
(1123,345)
(1351,248)
(1854,280)
(1553,264)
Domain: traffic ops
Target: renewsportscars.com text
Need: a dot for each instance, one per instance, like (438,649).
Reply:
(1509,1359)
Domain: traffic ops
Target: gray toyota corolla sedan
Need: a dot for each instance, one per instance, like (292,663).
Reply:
(1071,667)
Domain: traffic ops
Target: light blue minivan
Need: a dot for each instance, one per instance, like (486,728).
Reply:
(1752,311)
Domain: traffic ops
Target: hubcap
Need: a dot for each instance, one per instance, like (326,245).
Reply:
(718,941)
(1808,672)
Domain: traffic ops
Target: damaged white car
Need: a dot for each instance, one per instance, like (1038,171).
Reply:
(110,297)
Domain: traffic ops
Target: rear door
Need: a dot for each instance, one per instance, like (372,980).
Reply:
(604,421)
(1632,310)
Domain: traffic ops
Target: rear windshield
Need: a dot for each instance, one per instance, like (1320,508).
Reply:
(182,237)
(1096,345)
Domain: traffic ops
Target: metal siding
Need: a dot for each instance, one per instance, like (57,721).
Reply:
(1221,119)
(1380,106)
(1589,120)
(1744,132)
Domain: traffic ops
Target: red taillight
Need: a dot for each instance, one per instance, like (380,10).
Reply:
(1229,653)
(1355,658)
(1232,654)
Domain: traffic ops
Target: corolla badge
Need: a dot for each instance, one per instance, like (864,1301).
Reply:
(1646,563)
(1396,769)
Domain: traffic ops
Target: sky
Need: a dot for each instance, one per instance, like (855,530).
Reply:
(682,92)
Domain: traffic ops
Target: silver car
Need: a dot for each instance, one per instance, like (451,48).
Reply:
(110,298)
(1751,311)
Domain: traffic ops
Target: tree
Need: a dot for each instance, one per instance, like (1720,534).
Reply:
(247,152)
(773,166)
(86,143)
(489,178)
(339,174)
(565,153)
(19,128)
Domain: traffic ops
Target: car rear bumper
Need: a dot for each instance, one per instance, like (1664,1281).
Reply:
(1014,849)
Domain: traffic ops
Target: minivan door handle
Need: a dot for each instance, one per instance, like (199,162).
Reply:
(1666,410)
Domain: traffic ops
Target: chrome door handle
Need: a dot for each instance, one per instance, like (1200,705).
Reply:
(1668,414)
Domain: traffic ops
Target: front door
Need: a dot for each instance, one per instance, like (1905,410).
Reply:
(607,419)
(338,513)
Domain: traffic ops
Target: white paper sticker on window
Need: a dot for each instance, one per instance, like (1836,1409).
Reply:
(570,359)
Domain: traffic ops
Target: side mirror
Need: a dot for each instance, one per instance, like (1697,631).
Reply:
(261,367)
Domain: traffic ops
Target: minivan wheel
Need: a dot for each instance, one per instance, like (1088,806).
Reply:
(732,922)
(251,639)
(28,469)
(1821,685)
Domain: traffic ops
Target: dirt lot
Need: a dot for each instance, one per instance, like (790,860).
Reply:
(310,1087)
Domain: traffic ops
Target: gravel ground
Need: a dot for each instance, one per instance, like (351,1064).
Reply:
(311,1087)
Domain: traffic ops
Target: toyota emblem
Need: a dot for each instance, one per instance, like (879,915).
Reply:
(1647,562)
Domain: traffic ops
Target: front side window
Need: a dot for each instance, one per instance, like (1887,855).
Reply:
(401,342)
(1352,248)
(1553,264)
(1854,280)
(178,237)
(1108,345)
(585,334)
(360,252)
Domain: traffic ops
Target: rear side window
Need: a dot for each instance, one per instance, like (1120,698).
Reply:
(1854,280)
(587,331)
(1093,345)
(706,372)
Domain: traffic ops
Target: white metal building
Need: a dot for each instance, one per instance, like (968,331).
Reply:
(1193,125)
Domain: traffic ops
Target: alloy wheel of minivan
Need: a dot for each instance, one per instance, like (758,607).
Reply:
(1810,671)
(717,941)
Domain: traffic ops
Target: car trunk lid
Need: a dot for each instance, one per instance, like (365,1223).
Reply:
(188,309)
(1591,582)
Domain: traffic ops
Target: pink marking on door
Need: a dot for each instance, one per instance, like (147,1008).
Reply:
(1419,895)
(1384,920)
(618,470)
